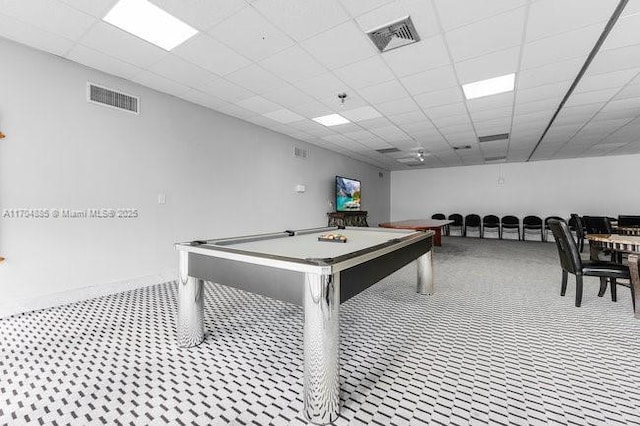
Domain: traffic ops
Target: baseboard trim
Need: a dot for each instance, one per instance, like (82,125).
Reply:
(84,293)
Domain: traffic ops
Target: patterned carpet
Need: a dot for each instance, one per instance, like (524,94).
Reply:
(496,344)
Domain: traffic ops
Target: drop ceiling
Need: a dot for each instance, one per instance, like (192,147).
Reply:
(281,63)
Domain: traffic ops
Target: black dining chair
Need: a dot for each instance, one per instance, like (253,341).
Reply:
(546,225)
(571,262)
(441,216)
(575,224)
(510,224)
(532,225)
(458,223)
(490,223)
(472,222)
(596,225)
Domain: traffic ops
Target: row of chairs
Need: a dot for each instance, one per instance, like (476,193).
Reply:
(492,223)
(583,225)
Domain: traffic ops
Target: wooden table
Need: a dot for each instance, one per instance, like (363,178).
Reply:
(628,230)
(625,244)
(421,225)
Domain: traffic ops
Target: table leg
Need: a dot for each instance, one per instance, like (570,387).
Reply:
(322,347)
(190,325)
(634,269)
(437,238)
(425,273)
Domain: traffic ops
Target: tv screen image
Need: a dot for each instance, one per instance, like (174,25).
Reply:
(347,194)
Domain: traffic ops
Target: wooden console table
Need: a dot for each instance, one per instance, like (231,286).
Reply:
(358,218)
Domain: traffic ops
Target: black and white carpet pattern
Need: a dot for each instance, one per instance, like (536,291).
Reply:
(495,344)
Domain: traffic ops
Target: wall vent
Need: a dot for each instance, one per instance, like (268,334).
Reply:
(393,35)
(112,98)
(300,152)
(387,150)
(456,148)
(495,159)
(492,138)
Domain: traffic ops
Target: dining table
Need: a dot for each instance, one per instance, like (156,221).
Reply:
(629,244)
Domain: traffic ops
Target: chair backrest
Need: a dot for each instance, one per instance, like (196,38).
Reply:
(576,224)
(532,221)
(472,220)
(567,249)
(510,220)
(546,220)
(596,224)
(456,218)
(628,220)
(491,220)
(438,216)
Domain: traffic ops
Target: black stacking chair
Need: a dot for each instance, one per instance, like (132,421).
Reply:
(571,262)
(472,221)
(457,223)
(596,225)
(575,224)
(491,223)
(509,224)
(628,220)
(532,225)
(546,225)
(440,216)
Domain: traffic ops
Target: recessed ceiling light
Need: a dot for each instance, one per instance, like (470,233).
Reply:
(491,86)
(331,120)
(147,21)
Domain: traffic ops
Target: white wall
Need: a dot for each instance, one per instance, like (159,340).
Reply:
(590,186)
(221,176)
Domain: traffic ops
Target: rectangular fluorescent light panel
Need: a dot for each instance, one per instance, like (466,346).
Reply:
(145,20)
(331,120)
(492,86)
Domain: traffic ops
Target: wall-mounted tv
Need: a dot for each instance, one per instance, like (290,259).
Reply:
(347,194)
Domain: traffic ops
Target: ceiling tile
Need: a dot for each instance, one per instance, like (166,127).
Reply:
(293,64)
(204,99)
(340,46)
(359,7)
(16,30)
(447,110)
(226,90)
(312,109)
(124,46)
(548,91)
(493,113)
(423,16)
(440,97)
(582,98)
(552,73)
(383,15)
(549,17)
(426,54)
(611,80)
(49,15)
(501,100)
(198,13)
(409,118)
(236,111)
(288,96)
(390,133)
(321,86)
(490,35)
(385,92)
(284,116)
(302,19)
(624,33)
(251,35)
(365,73)
(488,66)
(160,83)
(427,81)
(181,71)
(204,51)
(572,44)
(398,106)
(258,104)
(91,58)
(256,79)
(97,8)
(359,114)
(456,13)
(616,59)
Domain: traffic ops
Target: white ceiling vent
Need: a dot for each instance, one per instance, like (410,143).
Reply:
(302,153)
(393,35)
(112,98)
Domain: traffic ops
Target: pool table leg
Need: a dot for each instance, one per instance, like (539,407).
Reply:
(190,324)
(322,347)
(425,273)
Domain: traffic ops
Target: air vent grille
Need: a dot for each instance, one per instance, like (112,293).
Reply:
(387,150)
(300,152)
(492,138)
(111,98)
(394,35)
(456,148)
(495,159)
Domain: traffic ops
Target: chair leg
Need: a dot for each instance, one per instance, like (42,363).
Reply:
(614,291)
(633,297)
(603,286)
(563,287)
(578,290)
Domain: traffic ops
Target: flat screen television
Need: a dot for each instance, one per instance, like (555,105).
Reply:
(347,194)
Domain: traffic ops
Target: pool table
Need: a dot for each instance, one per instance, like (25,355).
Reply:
(296,267)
